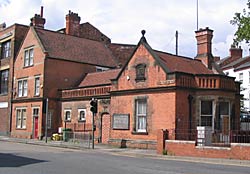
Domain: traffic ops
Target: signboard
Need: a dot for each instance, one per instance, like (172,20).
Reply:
(3,104)
(121,121)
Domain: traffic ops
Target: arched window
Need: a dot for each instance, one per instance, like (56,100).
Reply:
(81,115)
(140,72)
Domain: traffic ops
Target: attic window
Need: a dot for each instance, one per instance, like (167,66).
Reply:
(140,72)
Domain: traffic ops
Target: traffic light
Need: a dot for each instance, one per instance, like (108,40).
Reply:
(93,105)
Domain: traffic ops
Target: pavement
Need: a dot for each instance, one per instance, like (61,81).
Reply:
(131,152)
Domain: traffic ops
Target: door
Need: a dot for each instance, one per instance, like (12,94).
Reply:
(35,127)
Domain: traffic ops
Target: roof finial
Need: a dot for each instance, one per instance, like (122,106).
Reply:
(143,33)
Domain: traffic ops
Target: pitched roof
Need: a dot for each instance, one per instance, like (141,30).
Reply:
(170,62)
(122,52)
(99,78)
(66,47)
(237,63)
(183,64)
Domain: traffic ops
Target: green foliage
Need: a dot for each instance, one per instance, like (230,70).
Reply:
(242,21)
(164,152)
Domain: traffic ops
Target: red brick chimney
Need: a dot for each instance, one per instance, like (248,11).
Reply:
(235,53)
(204,46)
(38,20)
(73,24)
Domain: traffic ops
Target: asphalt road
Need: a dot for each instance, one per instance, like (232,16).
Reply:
(32,159)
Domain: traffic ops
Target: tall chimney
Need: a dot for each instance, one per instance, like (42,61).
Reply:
(38,20)
(235,53)
(204,46)
(73,24)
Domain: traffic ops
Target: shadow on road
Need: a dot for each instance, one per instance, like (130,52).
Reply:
(10,160)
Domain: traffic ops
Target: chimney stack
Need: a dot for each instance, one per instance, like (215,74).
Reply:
(204,46)
(38,20)
(72,24)
(235,53)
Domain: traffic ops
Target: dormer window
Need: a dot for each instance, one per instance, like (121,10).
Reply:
(140,72)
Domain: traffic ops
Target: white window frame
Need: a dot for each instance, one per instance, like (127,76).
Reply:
(22,118)
(65,112)
(241,77)
(22,87)
(6,49)
(207,115)
(37,86)
(28,57)
(141,116)
(79,116)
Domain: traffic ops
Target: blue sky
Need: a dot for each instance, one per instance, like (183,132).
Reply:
(122,20)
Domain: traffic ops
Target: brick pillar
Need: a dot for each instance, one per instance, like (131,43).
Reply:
(161,137)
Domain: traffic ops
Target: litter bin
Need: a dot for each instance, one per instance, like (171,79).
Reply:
(66,134)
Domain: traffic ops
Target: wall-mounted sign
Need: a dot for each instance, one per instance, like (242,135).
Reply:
(3,104)
(120,121)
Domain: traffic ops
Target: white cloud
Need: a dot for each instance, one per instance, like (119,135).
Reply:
(123,20)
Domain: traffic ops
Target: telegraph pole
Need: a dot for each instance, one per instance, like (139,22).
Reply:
(197,15)
(176,44)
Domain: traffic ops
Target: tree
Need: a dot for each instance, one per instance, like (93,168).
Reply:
(242,21)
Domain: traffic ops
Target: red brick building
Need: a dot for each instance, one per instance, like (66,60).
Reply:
(76,112)
(156,90)
(10,42)
(48,61)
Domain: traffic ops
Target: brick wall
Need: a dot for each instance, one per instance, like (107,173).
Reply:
(188,148)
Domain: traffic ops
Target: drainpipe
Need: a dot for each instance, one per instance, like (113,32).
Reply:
(190,98)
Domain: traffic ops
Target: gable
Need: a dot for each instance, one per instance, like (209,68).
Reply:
(30,42)
(154,73)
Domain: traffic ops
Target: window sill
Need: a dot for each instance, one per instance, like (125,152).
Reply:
(140,79)
(21,128)
(4,94)
(81,121)
(139,133)
(28,66)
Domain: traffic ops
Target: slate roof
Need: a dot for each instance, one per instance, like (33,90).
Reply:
(99,78)
(122,52)
(183,64)
(237,63)
(242,66)
(66,47)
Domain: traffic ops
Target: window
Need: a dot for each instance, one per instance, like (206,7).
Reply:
(37,86)
(28,57)
(206,113)
(6,49)
(22,88)
(4,75)
(241,77)
(140,72)
(35,112)
(224,108)
(67,115)
(81,114)
(141,115)
(249,76)
(21,118)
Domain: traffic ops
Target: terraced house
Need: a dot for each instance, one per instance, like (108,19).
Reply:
(50,60)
